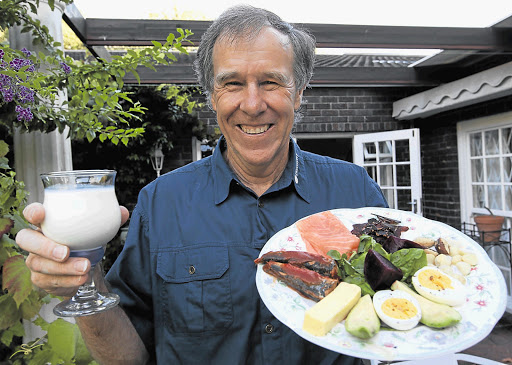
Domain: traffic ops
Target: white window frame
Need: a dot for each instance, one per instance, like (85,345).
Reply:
(464,129)
(389,137)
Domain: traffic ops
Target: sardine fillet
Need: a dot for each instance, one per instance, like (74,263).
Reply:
(312,261)
(307,283)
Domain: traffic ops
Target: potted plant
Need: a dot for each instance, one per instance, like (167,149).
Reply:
(489,226)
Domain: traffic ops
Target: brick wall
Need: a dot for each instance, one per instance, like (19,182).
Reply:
(360,110)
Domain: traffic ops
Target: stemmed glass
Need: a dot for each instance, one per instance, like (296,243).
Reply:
(82,212)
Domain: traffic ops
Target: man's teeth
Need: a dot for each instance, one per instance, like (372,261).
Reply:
(255,130)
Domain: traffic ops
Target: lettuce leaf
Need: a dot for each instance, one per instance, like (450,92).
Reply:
(351,270)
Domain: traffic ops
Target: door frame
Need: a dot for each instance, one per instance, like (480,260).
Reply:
(413,135)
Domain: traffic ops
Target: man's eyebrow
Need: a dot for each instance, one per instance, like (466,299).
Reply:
(223,76)
(281,77)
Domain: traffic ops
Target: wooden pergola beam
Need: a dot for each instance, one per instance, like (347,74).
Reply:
(140,32)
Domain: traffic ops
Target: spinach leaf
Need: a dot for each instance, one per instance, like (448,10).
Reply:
(409,260)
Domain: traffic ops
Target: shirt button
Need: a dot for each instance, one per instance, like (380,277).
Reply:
(260,205)
(269,328)
(191,270)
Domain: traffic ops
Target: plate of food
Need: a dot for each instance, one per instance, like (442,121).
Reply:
(428,289)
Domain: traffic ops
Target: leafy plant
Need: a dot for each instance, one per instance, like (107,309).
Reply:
(44,92)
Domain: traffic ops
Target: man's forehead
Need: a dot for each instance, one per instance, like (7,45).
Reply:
(232,39)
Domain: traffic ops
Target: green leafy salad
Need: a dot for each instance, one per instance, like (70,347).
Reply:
(352,270)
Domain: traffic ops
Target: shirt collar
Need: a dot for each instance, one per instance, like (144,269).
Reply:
(295,173)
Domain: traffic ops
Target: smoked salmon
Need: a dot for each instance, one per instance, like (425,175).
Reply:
(323,232)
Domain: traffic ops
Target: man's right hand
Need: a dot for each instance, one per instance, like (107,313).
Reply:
(50,265)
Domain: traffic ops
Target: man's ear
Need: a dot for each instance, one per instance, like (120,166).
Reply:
(213,103)
(298,99)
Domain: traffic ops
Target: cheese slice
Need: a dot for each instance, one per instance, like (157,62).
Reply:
(324,315)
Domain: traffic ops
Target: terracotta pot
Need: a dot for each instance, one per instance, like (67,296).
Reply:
(489,227)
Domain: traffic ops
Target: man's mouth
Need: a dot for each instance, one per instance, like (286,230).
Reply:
(255,130)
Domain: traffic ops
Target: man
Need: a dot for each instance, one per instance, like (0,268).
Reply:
(186,274)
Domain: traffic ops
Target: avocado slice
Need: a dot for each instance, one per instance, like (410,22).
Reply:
(432,314)
(362,321)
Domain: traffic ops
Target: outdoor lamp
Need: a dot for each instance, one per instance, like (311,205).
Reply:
(157,160)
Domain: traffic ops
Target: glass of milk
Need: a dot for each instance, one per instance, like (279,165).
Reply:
(82,212)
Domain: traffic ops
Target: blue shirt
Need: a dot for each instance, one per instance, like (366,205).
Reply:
(186,275)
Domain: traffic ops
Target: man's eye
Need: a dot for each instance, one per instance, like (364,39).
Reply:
(270,85)
(233,83)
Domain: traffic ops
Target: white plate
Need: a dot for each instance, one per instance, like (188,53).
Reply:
(485,303)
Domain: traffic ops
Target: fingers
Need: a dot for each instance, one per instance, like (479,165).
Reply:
(51,267)
(36,243)
(125,214)
(62,285)
(34,213)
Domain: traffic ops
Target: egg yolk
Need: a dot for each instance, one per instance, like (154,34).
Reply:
(434,280)
(399,308)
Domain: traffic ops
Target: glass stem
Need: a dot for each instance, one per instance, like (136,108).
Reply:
(88,289)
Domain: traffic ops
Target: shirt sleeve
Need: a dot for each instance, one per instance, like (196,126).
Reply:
(129,278)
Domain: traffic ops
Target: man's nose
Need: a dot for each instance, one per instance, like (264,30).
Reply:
(253,101)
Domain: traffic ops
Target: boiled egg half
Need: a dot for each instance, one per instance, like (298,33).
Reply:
(398,309)
(438,286)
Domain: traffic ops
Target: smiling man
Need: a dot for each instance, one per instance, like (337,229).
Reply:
(255,98)
(186,275)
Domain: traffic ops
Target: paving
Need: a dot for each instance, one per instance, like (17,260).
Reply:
(497,345)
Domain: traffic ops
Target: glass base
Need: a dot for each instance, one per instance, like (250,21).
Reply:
(79,307)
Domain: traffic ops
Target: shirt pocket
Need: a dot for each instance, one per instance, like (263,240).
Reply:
(195,289)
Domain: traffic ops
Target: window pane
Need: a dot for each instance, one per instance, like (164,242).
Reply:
(403,175)
(402,152)
(492,146)
(385,152)
(493,169)
(477,172)
(386,175)
(475,141)
(404,199)
(390,197)
(370,153)
(506,140)
(508,197)
(507,169)
(494,196)
(478,196)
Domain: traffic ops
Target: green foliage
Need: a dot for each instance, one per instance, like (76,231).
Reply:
(88,101)
(166,120)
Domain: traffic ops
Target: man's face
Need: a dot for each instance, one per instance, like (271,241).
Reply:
(254,96)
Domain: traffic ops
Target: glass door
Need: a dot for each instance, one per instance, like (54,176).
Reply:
(393,160)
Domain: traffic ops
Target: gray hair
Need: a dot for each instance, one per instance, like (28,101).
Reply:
(247,21)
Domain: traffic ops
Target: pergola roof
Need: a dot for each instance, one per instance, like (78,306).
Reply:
(464,50)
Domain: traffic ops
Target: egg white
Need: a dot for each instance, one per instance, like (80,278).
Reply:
(379,300)
(450,291)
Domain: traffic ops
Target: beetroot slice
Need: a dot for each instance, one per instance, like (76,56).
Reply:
(379,272)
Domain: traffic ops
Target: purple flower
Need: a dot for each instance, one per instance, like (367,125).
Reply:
(17,63)
(24,113)
(7,95)
(65,67)
(1,53)
(26,52)
(25,95)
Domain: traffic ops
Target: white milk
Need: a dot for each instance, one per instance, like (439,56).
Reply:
(82,218)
